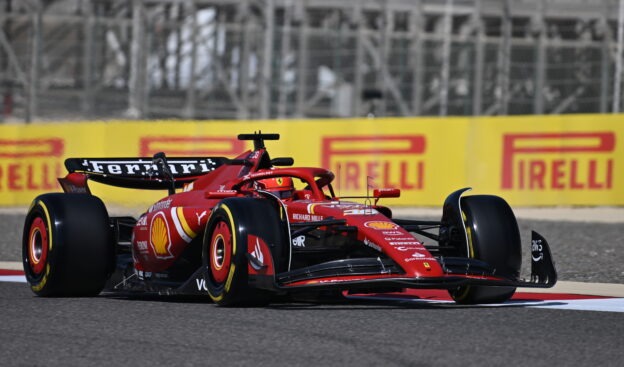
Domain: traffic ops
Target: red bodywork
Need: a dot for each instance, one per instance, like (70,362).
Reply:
(162,233)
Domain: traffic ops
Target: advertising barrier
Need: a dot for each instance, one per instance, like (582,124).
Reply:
(528,160)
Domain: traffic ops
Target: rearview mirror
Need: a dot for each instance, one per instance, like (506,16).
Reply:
(386,193)
(282,161)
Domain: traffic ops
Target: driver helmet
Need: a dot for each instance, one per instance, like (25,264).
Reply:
(281,186)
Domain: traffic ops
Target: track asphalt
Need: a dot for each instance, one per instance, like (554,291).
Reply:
(532,330)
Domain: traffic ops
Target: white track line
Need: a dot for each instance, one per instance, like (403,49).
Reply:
(592,289)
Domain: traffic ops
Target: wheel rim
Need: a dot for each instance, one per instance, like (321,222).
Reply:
(220,252)
(37,246)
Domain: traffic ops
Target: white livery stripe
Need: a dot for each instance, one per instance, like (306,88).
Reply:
(178,225)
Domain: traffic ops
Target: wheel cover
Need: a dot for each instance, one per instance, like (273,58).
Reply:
(220,252)
(38,246)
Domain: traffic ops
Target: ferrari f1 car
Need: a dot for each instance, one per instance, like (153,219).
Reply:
(249,230)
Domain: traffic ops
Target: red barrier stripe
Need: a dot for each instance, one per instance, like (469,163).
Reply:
(11,272)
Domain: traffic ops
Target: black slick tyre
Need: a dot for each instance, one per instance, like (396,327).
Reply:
(493,237)
(67,247)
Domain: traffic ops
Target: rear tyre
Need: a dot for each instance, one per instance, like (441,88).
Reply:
(493,237)
(67,245)
(225,249)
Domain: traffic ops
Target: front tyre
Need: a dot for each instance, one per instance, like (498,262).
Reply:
(66,245)
(226,246)
(493,237)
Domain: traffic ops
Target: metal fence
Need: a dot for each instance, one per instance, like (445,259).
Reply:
(258,59)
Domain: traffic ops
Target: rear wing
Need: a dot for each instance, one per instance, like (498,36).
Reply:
(157,172)
(139,173)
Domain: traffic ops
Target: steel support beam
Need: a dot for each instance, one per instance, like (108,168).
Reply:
(540,59)
(505,60)
(358,78)
(302,60)
(617,84)
(417,53)
(284,52)
(479,47)
(243,67)
(136,96)
(87,102)
(446,57)
(267,60)
(605,58)
(191,91)
(35,63)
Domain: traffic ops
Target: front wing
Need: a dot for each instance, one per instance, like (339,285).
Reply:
(377,273)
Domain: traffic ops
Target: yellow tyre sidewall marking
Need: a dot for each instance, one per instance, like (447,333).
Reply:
(228,282)
(48,222)
(471,255)
(44,280)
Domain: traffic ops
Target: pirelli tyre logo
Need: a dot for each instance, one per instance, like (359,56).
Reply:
(558,161)
(390,160)
(194,146)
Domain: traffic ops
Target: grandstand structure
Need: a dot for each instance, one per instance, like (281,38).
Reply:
(261,59)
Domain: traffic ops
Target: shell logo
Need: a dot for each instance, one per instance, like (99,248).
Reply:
(159,236)
(376,224)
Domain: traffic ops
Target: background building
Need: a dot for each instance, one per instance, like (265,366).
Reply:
(258,59)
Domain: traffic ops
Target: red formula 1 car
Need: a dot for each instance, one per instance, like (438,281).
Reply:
(249,230)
